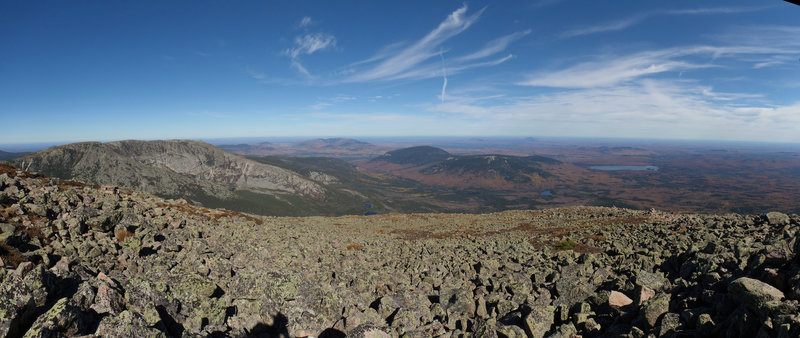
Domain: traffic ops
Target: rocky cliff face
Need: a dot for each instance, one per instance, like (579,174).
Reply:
(89,260)
(174,168)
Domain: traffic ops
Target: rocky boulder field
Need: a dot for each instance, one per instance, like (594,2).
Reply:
(85,260)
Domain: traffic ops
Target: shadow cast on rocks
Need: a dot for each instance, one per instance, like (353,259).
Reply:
(279,329)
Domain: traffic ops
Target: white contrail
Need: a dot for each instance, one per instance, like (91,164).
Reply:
(444,75)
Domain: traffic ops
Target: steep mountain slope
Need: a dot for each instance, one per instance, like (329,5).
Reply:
(180,169)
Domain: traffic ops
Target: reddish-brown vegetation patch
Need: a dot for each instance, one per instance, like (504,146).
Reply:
(206,213)
(598,238)
(121,235)
(10,255)
(583,248)
(7,169)
(12,172)
(67,184)
(35,231)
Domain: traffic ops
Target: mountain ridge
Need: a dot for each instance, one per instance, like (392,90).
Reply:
(169,168)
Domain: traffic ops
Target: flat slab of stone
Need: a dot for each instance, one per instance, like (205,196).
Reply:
(618,299)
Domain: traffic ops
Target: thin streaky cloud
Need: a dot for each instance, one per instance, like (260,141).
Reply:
(713,10)
(605,27)
(300,68)
(421,50)
(777,60)
(495,46)
(636,19)
(444,76)
(255,74)
(611,71)
(614,70)
(433,70)
(384,52)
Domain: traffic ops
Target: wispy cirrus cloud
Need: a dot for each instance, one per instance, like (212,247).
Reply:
(305,22)
(612,70)
(624,23)
(311,43)
(420,58)
(605,27)
(643,108)
(634,94)
(255,74)
(308,44)
(396,66)
(495,46)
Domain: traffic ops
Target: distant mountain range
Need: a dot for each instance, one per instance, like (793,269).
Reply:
(429,179)
(344,148)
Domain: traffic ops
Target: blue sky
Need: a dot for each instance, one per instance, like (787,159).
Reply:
(106,70)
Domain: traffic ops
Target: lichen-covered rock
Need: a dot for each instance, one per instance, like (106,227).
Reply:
(510,331)
(107,300)
(777,218)
(654,308)
(127,324)
(567,330)
(539,320)
(62,319)
(368,331)
(754,294)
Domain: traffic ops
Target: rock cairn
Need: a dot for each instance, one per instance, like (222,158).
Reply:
(85,260)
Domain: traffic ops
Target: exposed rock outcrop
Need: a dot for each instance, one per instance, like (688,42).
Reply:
(96,260)
(167,168)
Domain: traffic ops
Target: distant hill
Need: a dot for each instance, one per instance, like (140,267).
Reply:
(436,167)
(248,149)
(193,170)
(336,144)
(511,168)
(420,155)
(344,148)
(4,155)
